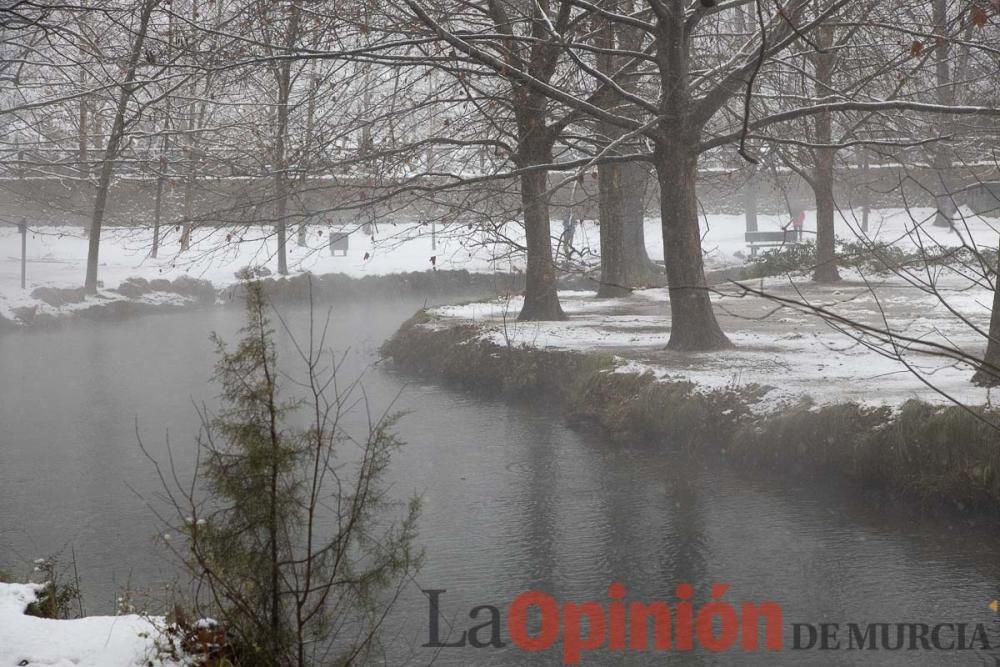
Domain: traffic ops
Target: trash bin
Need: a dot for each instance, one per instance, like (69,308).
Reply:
(339,242)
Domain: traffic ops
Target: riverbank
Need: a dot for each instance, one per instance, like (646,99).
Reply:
(789,397)
(93,641)
(205,274)
(54,306)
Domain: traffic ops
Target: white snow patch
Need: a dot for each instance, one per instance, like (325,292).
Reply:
(95,641)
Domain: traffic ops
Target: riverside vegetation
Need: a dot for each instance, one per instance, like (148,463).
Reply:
(942,455)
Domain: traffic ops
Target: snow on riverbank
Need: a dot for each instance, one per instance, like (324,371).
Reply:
(796,353)
(57,255)
(95,641)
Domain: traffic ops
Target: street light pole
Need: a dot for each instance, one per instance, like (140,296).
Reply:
(22,228)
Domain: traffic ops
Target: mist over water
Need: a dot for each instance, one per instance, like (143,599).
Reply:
(513,500)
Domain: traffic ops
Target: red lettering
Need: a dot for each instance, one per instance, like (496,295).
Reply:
(517,621)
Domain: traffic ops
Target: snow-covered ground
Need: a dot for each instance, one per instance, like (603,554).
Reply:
(57,255)
(795,352)
(95,641)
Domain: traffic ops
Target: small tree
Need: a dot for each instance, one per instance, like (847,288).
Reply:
(287,539)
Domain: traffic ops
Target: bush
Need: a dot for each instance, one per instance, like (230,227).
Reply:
(792,258)
(875,258)
(286,536)
(59,599)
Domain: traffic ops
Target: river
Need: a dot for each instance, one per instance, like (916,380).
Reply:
(513,500)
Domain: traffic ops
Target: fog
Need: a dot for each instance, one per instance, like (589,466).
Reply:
(497,332)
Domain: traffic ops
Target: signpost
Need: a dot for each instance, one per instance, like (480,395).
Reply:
(22,228)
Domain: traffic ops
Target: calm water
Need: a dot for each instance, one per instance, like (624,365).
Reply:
(513,500)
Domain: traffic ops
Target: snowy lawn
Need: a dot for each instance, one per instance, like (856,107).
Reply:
(794,352)
(96,641)
(57,255)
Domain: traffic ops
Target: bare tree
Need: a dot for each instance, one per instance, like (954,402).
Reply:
(127,89)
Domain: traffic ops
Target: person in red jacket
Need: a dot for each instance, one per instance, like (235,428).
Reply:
(798,220)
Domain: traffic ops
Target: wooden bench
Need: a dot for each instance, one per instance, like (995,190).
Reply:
(984,198)
(771,239)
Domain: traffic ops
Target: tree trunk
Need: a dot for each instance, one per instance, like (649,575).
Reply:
(163,162)
(158,204)
(305,158)
(945,96)
(83,137)
(826,238)
(280,213)
(692,323)
(640,270)
(191,151)
(541,302)
(114,143)
(622,188)
(83,140)
(610,204)
(191,154)
(187,224)
(750,202)
(988,373)
(826,256)
(284,80)
(610,177)
(866,195)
